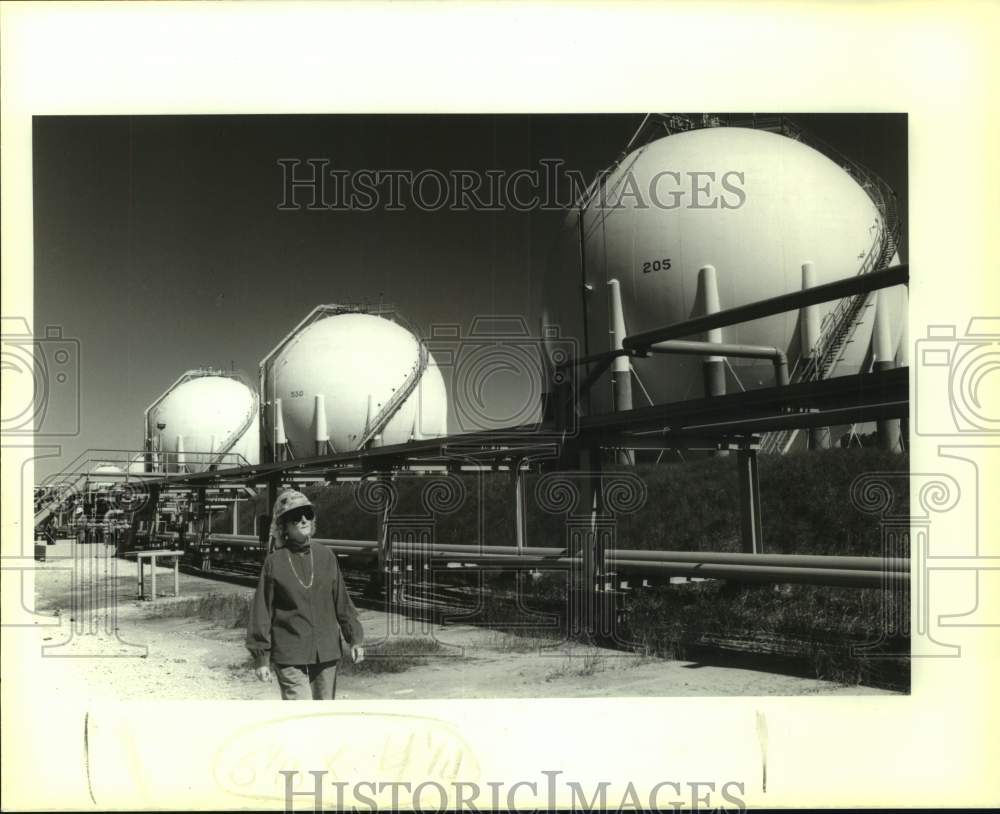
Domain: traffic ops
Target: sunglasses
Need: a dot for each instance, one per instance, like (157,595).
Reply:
(295,515)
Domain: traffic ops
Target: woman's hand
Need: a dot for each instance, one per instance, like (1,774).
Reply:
(357,653)
(263,673)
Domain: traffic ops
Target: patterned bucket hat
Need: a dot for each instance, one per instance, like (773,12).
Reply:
(287,501)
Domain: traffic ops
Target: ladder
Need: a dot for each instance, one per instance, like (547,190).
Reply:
(230,441)
(384,416)
(840,326)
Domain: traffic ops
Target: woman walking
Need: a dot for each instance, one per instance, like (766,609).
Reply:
(301,608)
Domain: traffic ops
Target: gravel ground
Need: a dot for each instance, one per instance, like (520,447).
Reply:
(119,647)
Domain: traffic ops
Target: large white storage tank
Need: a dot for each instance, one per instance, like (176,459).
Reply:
(205,418)
(343,380)
(754,204)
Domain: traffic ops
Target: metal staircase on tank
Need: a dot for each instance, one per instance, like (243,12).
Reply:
(384,416)
(840,326)
(382,309)
(217,455)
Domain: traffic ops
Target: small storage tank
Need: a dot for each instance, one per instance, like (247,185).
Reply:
(343,380)
(205,418)
(755,205)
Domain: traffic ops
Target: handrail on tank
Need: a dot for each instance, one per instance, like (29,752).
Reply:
(392,406)
(317,313)
(384,310)
(200,373)
(885,278)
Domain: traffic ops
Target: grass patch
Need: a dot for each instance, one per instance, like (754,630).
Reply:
(579,666)
(393,656)
(226,610)
(530,640)
(814,625)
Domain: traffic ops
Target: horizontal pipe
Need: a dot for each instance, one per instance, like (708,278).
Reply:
(607,357)
(540,553)
(838,577)
(694,558)
(896,275)
(874,577)
(813,418)
(682,346)
(856,391)
(712,557)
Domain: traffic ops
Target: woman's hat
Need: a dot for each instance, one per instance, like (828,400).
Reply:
(287,501)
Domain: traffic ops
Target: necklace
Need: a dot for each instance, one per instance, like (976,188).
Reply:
(312,570)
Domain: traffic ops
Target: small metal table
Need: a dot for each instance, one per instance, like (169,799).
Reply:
(141,556)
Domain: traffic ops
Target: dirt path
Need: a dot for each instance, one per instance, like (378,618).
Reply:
(123,648)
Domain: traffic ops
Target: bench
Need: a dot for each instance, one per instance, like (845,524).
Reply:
(152,555)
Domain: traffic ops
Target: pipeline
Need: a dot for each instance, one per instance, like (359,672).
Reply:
(837,577)
(682,347)
(867,572)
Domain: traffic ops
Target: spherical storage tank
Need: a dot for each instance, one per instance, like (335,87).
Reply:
(105,475)
(205,418)
(343,380)
(106,469)
(755,205)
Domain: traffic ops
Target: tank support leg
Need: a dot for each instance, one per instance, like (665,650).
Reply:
(750,522)
(202,524)
(712,367)
(264,520)
(621,368)
(382,582)
(520,513)
(590,608)
(888,429)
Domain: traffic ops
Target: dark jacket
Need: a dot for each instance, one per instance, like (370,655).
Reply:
(290,624)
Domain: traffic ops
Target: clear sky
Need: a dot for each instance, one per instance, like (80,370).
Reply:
(160,246)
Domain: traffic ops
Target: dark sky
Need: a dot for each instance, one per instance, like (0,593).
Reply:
(159,244)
